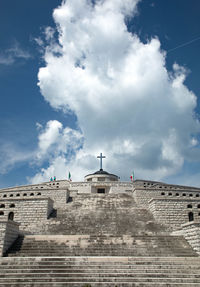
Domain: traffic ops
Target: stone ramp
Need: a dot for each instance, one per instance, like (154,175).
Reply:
(100,245)
(100,271)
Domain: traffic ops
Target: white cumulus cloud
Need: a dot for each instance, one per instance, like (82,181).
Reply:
(127,104)
(54,140)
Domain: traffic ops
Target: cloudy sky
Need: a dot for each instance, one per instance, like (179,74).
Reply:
(80,77)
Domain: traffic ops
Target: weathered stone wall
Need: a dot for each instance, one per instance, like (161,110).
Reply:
(143,196)
(91,187)
(26,211)
(122,187)
(9,231)
(191,232)
(80,187)
(173,212)
(59,196)
(62,184)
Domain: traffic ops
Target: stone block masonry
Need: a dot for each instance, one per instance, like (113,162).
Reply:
(9,231)
(143,195)
(92,187)
(191,232)
(173,212)
(27,211)
(59,196)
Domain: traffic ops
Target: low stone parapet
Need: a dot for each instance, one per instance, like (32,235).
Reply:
(9,231)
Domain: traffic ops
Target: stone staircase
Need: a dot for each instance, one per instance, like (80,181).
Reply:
(100,271)
(100,245)
(100,240)
(102,213)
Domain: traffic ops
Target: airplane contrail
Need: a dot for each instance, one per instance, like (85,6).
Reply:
(184,44)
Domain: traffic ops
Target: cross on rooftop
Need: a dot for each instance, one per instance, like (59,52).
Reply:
(101,157)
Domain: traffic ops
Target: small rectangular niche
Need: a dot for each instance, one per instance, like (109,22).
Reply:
(101,190)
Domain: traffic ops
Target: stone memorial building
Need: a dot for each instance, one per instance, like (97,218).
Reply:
(100,232)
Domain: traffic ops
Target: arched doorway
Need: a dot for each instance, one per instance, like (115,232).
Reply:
(11,216)
(190,216)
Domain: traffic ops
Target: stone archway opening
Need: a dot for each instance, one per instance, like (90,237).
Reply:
(190,216)
(11,216)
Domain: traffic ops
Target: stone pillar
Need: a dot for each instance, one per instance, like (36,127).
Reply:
(9,231)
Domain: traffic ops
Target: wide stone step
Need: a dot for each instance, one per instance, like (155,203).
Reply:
(100,270)
(100,276)
(85,245)
(64,255)
(99,284)
(90,270)
(98,279)
(80,253)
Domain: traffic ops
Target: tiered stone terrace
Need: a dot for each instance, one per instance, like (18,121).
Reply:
(65,233)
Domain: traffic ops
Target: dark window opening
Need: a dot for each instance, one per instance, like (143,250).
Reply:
(190,194)
(169,193)
(11,216)
(17,194)
(4,195)
(11,195)
(162,193)
(2,205)
(70,199)
(12,205)
(184,194)
(101,190)
(190,216)
(197,195)
(25,194)
(32,194)
(189,206)
(39,193)
(1,213)
(198,206)
(177,194)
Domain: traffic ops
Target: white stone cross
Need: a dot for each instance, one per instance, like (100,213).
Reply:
(101,157)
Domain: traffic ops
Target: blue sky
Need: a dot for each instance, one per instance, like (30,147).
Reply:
(48,129)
